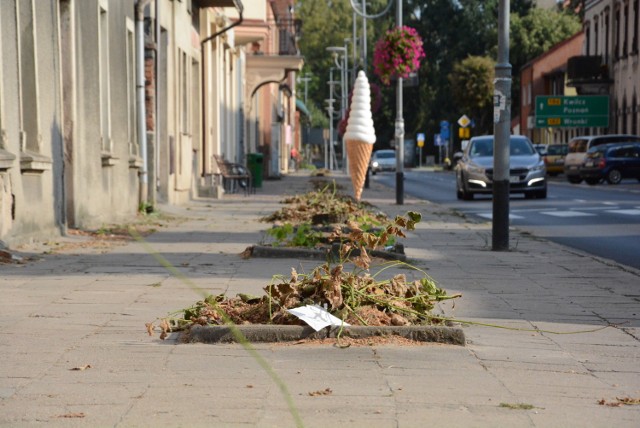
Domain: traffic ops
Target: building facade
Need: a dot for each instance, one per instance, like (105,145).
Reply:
(110,106)
(610,61)
(547,75)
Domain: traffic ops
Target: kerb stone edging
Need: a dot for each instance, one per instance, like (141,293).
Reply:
(263,251)
(287,333)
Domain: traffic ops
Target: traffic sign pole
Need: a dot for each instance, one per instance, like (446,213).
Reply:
(420,138)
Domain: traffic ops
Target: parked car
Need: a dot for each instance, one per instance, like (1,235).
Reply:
(383,160)
(474,172)
(554,159)
(579,146)
(611,162)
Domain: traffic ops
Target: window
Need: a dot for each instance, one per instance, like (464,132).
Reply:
(131,88)
(636,28)
(617,29)
(184,94)
(587,39)
(596,35)
(606,37)
(104,78)
(625,45)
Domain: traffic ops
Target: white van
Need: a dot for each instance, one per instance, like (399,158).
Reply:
(578,147)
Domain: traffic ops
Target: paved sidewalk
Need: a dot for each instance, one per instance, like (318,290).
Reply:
(88,306)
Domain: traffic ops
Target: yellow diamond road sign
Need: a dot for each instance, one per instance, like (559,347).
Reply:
(464,121)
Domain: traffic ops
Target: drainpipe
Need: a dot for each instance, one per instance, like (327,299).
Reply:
(140,98)
(240,9)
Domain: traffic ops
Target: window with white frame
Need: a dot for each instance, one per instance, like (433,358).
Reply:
(104,78)
(183,76)
(131,88)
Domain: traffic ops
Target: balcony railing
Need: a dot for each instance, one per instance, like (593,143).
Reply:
(288,35)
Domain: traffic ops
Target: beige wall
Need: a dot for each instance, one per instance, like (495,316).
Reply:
(64,68)
(624,67)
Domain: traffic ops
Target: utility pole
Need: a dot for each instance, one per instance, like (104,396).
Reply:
(399,127)
(502,133)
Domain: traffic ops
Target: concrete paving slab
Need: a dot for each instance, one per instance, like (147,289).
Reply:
(89,306)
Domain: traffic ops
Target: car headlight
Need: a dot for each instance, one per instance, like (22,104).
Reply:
(375,164)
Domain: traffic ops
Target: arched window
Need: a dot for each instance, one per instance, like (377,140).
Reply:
(606,35)
(596,35)
(636,29)
(617,28)
(587,39)
(625,27)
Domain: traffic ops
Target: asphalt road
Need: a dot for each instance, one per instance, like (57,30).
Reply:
(603,220)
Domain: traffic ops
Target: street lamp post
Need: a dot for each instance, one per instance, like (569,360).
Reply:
(342,52)
(502,123)
(330,110)
(399,128)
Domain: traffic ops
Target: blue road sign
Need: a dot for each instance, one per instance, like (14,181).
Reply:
(444,130)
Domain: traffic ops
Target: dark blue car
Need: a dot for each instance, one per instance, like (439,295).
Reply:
(611,162)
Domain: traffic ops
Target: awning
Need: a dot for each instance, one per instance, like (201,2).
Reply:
(302,108)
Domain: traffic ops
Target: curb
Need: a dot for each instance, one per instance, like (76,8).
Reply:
(313,253)
(289,333)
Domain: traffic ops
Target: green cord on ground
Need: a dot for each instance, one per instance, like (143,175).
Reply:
(237,334)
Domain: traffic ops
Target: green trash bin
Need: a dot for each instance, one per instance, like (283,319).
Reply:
(255,163)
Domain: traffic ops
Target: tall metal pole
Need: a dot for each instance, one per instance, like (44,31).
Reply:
(502,124)
(345,98)
(331,100)
(364,35)
(399,128)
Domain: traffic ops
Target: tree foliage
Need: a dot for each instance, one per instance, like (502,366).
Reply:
(536,32)
(452,31)
(472,89)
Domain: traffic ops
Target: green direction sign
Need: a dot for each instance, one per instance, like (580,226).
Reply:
(572,112)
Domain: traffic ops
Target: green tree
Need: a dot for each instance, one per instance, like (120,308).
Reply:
(472,89)
(536,32)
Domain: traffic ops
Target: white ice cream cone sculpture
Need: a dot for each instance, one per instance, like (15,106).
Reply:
(360,134)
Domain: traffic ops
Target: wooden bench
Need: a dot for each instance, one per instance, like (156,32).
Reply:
(234,175)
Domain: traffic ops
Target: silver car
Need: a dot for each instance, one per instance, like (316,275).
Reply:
(383,160)
(474,172)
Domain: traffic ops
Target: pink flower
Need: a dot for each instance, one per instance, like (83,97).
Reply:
(397,54)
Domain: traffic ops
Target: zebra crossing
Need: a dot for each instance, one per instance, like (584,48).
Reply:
(567,214)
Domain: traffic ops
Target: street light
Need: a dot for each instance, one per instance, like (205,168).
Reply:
(399,124)
(399,128)
(344,91)
(501,131)
(330,110)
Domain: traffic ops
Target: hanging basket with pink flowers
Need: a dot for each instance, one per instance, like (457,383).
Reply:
(397,54)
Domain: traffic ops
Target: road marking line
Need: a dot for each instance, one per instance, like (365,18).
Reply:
(490,216)
(566,214)
(625,212)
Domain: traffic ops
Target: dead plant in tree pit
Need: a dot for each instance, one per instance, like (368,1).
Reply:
(348,291)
